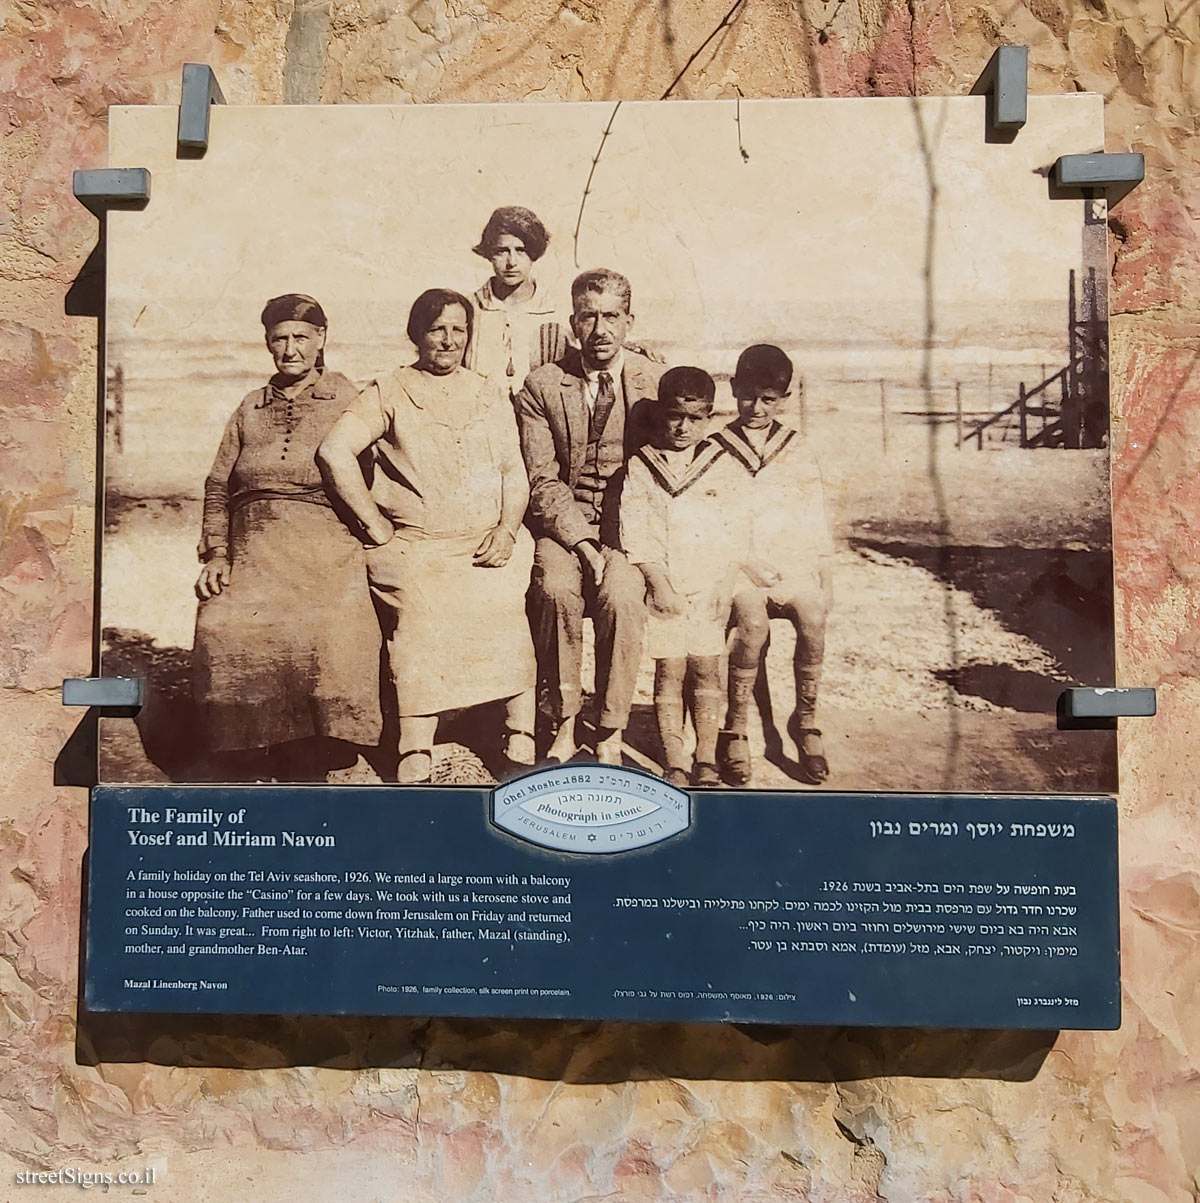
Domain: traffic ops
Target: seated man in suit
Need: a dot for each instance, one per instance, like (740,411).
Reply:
(577,423)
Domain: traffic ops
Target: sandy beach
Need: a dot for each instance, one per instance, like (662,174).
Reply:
(944,658)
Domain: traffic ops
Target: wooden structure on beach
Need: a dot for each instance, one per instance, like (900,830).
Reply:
(1070,407)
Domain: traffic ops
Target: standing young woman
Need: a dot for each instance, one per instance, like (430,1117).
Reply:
(516,328)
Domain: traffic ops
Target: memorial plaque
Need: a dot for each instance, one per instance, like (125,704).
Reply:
(860,909)
(719,454)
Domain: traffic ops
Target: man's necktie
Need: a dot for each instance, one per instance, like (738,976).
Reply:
(606,397)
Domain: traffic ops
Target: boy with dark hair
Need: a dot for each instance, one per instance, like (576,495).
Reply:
(787,574)
(676,527)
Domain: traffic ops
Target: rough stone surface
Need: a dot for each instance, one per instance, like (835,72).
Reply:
(326,1109)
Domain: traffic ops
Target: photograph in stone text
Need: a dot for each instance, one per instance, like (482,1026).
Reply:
(755,445)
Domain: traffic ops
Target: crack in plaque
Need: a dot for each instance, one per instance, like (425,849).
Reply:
(591,175)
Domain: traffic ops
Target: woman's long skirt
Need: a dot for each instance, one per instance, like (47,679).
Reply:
(457,635)
(290,648)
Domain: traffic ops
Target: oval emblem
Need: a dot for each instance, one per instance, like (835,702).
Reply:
(590,808)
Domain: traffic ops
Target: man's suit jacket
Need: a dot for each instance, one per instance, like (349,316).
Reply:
(553,418)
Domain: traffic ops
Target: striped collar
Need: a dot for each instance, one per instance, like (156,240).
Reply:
(733,439)
(677,475)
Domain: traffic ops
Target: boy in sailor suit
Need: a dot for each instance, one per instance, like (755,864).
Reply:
(676,527)
(788,569)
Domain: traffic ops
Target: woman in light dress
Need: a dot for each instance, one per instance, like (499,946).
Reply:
(448,559)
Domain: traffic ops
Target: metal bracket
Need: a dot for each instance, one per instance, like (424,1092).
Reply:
(108,692)
(1117,174)
(1005,83)
(200,91)
(1109,703)
(112,188)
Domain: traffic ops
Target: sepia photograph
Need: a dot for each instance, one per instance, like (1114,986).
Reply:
(752,444)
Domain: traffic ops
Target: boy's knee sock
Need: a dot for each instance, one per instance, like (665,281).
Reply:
(670,730)
(706,718)
(808,681)
(741,697)
(668,710)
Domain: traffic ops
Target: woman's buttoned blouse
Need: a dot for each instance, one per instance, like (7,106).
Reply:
(268,451)
(442,446)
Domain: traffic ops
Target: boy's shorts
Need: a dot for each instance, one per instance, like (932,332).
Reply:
(798,583)
(696,632)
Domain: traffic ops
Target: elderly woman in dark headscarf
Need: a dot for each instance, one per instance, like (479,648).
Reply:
(287,644)
(516,327)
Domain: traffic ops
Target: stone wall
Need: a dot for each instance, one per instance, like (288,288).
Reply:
(398,1110)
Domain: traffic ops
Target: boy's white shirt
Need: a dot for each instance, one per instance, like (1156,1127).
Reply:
(677,512)
(782,496)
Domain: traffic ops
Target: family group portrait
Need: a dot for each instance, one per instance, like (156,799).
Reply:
(519,435)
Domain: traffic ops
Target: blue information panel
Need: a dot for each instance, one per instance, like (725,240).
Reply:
(931,911)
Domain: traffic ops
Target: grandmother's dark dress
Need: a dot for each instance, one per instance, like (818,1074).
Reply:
(290,648)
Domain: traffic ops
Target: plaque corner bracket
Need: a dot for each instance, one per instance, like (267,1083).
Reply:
(1087,706)
(199,91)
(102,188)
(1115,175)
(1005,83)
(105,693)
